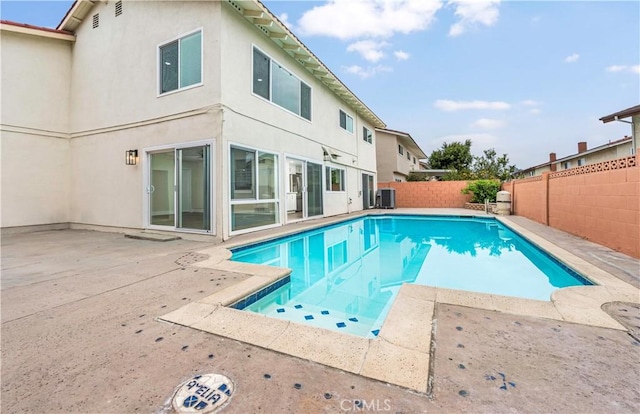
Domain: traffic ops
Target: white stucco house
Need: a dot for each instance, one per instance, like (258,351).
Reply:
(205,117)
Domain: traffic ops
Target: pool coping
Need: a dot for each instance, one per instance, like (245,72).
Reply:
(400,354)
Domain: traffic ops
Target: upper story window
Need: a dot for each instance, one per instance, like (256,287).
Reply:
(276,84)
(181,63)
(414,160)
(408,156)
(335,179)
(400,150)
(581,162)
(367,135)
(346,121)
(566,165)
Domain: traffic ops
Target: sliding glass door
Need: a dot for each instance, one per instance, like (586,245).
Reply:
(180,188)
(303,189)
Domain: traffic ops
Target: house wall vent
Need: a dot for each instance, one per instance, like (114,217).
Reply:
(96,20)
(118,8)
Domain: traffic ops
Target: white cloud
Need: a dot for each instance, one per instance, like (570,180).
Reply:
(365,73)
(350,19)
(530,102)
(534,111)
(471,12)
(486,123)
(572,58)
(623,68)
(369,49)
(447,105)
(284,18)
(401,55)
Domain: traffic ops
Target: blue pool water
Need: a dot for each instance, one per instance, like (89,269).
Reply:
(345,276)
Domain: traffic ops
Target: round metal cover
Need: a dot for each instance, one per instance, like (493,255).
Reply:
(203,394)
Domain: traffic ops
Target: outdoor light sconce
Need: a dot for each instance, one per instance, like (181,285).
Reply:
(131,157)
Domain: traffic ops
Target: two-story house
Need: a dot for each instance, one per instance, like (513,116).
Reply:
(397,155)
(207,117)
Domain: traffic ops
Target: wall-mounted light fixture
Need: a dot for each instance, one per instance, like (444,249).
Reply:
(131,157)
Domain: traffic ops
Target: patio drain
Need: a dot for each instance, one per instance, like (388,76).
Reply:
(203,394)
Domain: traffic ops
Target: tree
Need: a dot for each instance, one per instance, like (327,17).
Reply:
(489,166)
(455,156)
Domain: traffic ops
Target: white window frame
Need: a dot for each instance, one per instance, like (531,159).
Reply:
(365,132)
(400,149)
(566,165)
(582,161)
(353,121)
(278,192)
(270,101)
(327,176)
(159,70)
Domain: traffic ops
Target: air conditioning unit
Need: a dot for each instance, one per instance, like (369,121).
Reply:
(386,198)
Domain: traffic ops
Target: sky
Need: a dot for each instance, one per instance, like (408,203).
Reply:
(523,77)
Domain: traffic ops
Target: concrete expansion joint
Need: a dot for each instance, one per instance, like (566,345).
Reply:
(366,354)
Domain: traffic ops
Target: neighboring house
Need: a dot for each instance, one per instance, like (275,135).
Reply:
(228,122)
(397,155)
(622,116)
(610,151)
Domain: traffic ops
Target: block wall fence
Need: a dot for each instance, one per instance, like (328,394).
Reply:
(599,202)
(429,194)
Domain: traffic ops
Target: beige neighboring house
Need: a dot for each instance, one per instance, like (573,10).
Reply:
(397,155)
(623,116)
(609,151)
(206,117)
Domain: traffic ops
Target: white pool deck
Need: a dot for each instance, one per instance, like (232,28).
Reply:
(400,354)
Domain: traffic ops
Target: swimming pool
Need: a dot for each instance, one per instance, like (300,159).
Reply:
(345,276)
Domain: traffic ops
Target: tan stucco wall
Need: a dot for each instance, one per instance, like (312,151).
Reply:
(115,66)
(391,165)
(386,156)
(105,191)
(35,179)
(34,129)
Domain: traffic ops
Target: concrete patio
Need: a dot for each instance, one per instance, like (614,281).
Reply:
(80,334)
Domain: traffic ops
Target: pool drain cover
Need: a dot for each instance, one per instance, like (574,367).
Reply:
(203,394)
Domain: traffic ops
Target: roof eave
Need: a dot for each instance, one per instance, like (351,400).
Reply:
(27,29)
(262,18)
(625,113)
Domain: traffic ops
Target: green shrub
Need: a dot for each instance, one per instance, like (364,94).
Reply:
(482,190)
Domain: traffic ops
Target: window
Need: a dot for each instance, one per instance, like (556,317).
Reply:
(581,162)
(337,255)
(181,63)
(408,156)
(400,150)
(414,160)
(566,165)
(334,179)
(253,187)
(367,135)
(346,121)
(276,84)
